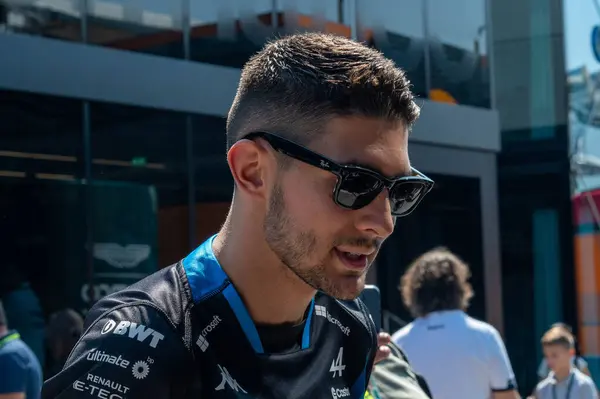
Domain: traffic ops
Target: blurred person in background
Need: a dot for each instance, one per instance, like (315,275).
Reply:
(64,329)
(458,356)
(578,361)
(20,371)
(564,381)
(393,378)
(22,307)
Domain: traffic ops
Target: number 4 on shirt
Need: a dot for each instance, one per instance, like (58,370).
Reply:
(337,364)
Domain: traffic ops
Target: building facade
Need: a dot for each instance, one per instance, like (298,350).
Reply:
(534,176)
(113,139)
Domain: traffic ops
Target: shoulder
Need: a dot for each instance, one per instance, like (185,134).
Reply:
(17,354)
(399,336)
(152,314)
(485,334)
(481,327)
(543,385)
(583,379)
(163,293)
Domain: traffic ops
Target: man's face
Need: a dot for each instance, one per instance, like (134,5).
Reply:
(558,357)
(329,247)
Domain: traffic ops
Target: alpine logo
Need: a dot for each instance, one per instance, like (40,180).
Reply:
(133,330)
(337,364)
(322,311)
(228,379)
(202,342)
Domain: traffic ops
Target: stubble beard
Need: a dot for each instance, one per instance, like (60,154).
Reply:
(294,247)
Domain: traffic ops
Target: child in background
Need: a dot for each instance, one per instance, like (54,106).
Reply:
(578,361)
(565,381)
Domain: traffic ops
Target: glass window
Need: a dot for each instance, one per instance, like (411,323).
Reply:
(213,181)
(139,195)
(229,32)
(57,19)
(458,52)
(396,27)
(146,26)
(42,214)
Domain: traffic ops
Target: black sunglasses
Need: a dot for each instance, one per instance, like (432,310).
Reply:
(356,186)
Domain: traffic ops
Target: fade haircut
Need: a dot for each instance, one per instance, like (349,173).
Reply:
(558,336)
(436,281)
(296,84)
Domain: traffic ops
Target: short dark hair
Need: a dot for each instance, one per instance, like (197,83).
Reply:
(558,336)
(295,84)
(436,281)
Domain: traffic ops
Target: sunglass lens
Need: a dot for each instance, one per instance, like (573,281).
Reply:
(405,196)
(357,190)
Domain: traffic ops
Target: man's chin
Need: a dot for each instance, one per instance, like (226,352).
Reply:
(345,289)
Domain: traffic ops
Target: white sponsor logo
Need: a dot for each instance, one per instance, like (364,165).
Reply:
(100,356)
(105,382)
(229,380)
(322,311)
(202,341)
(340,393)
(121,257)
(133,330)
(337,364)
(140,370)
(95,390)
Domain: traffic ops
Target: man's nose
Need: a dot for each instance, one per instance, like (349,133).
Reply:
(376,218)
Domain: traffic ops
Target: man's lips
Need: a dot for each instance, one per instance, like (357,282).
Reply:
(353,260)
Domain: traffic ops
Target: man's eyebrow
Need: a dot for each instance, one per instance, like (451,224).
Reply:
(407,172)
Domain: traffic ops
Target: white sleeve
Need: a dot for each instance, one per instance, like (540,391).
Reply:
(501,375)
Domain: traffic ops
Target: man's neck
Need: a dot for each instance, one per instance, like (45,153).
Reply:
(272,293)
(562,374)
(3,331)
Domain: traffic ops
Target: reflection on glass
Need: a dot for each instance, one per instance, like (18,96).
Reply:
(146,26)
(458,52)
(42,218)
(57,19)
(228,32)
(396,28)
(139,202)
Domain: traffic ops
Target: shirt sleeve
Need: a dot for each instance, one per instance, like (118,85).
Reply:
(130,351)
(501,375)
(14,378)
(588,390)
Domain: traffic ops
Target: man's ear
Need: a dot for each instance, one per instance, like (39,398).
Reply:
(572,351)
(249,162)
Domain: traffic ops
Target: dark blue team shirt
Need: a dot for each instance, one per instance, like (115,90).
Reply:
(19,367)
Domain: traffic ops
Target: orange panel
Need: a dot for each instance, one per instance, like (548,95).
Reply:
(589,340)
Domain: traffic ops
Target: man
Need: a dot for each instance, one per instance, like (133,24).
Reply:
(317,145)
(458,356)
(20,371)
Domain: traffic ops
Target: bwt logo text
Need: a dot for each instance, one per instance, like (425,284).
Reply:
(133,330)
